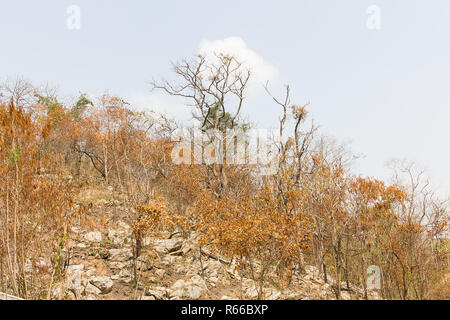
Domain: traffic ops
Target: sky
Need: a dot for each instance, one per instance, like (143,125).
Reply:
(376,79)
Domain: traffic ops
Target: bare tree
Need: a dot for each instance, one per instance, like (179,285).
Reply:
(20,89)
(24,92)
(215,88)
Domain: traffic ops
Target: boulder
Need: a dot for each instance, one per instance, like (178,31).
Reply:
(74,273)
(92,290)
(103,283)
(158,293)
(168,245)
(189,289)
(120,255)
(117,236)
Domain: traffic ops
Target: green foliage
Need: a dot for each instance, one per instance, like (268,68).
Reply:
(80,106)
(52,104)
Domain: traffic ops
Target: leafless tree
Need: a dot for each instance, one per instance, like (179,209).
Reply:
(215,87)
(24,92)
(219,84)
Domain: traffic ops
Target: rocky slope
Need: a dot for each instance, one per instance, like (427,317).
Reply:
(101,267)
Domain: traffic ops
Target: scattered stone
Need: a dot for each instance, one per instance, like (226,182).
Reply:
(191,289)
(168,245)
(92,290)
(120,255)
(158,293)
(117,236)
(104,283)
(124,225)
(74,273)
(125,276)
(160,272)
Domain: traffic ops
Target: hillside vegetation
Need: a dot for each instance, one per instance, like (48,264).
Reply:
(92,204)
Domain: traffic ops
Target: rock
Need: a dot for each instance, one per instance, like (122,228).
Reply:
(213,279)
(58,291)
(120,255)
(124,273)
(345,295)
(74,273)
(168,245)
(191,289)
(144,263)
(160,272)
(94,236)
(125,276)
(117,236)
(180,269)
(103,283)
(158,293)
(273,294)
(92,290)
(124,226)
(148,298)
(194,292)
(119,265)
(312,270)
(168,261)
(198,281)
(179,284)
(126,280)
(214,266)
(232,270)
(292,295)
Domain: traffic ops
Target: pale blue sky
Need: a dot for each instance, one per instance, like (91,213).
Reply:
(387,91)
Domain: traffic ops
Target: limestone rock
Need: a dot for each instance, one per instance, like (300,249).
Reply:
(104,283)
(120,255)
(158,293)
(117,236)
(92,290)
(190,289)
(166,246)
(74,273)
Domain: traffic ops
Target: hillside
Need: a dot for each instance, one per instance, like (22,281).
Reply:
(101,266)
(99,200)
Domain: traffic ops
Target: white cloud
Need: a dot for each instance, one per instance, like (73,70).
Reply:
(160,102)
(262,70)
